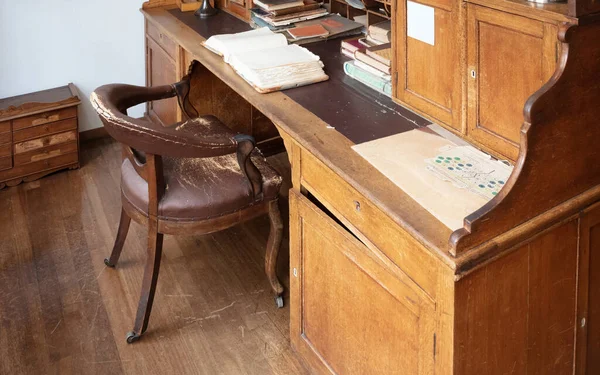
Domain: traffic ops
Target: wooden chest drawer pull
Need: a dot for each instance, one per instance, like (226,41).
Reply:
(357,206)
(45,118)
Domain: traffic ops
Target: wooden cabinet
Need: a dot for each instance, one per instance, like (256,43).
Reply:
(161,70)
(38,134)
(429,76)
(509,58)
(332,324)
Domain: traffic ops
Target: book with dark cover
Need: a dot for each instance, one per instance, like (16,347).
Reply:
(352,44)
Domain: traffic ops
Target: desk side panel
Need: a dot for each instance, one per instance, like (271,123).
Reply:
(517,315)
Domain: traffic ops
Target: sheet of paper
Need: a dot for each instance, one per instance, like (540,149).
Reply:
(420,20)
(403,159)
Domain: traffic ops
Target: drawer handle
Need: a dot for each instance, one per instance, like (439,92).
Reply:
(357,206)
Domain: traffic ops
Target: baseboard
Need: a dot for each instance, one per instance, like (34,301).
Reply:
(92,134)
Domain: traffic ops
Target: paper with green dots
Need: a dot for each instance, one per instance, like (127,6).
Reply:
(470,169)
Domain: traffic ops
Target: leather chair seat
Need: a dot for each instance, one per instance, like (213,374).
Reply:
(200,188)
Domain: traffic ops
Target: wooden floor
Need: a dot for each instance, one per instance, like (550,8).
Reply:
(63,312)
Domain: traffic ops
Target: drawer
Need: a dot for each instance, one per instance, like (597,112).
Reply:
(49,140)
(369,223)
(345,298)
(5,150)
(45,153)
(4,127)
(167,44)
(42,130)
(53,163)
(5,138)
(5,163)
(44,118)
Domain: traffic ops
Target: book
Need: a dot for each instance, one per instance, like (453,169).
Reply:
(381,53)
(373,42)
(352,44)
(372,70)
(311,31)
(247,41)
(289,19)
(337,26)
(279,68)
(257,22)
(366,43)
(277,4)
(266,61)
(308,5)
(381,31)
(361,55)
(384,86)
(347,53)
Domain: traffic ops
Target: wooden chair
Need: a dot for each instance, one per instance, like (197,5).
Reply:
(194,177)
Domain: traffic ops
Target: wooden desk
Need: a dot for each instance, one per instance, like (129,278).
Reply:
(378,284)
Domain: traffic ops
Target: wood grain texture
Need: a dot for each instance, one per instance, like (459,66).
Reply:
(65,312)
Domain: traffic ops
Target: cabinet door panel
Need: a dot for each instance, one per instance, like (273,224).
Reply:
(350,314)
(510,58)
(429,75)
(161,70)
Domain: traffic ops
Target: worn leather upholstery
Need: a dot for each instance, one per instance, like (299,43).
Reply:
(200,166)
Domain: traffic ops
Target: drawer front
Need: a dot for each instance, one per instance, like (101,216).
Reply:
(372,224)
(5,127)
(345,299)
(43,130)
(5,138)
(45,153)
(40,166)
(5,150)
(5,163)
(50,140)
(44,118)
(162,40)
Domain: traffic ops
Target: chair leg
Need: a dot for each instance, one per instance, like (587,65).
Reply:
(120,240)
(273,246)
(155,242)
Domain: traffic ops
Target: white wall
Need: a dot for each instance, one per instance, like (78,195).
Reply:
(44,44)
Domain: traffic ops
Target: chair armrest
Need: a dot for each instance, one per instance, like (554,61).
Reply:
(204,136)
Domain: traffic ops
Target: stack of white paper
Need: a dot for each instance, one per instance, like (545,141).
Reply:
(265,60)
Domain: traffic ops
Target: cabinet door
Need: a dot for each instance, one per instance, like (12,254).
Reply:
(160,70)
(510,58)
(429,70)
(350,312)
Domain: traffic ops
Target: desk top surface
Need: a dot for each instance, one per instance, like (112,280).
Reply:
(308,113)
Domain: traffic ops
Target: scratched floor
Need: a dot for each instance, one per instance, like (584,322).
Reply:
(63,312)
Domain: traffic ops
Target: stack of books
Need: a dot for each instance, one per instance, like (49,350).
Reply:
(380,33)
(369,65)
(266,61)
(283,14)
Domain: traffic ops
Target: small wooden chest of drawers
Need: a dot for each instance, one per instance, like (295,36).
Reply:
(38,134)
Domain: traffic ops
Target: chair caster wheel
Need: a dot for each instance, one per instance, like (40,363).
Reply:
(107,263)
(279,301)
(132,337)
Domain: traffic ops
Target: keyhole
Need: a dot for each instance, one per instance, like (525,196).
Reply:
(473,74)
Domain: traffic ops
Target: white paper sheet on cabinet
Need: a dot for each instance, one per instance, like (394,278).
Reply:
(420,21)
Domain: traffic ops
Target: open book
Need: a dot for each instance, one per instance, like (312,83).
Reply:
(265,60)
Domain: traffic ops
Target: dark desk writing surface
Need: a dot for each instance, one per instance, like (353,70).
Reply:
(358,112)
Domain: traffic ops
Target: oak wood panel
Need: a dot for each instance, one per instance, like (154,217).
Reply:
(370,224)
(5,126)
(49,140)
(5,150)
(45,153)
(44,118)
(5,138)
(332,326)
(429,77)
(508,318)
(161,70)
(5,162)
(509,58)
(169,46)
(43,130)
(588,308)
(549,12)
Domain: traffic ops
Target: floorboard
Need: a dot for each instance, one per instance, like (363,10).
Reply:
(63,312)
